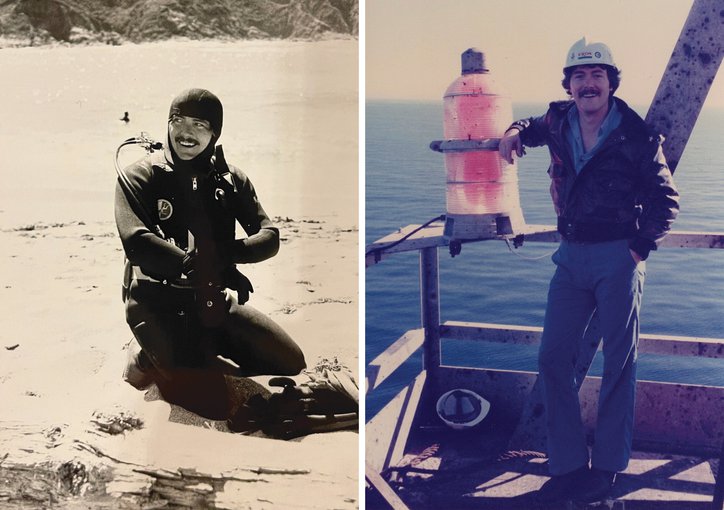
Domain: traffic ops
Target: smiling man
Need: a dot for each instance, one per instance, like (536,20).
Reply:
(615,200)
(176,213)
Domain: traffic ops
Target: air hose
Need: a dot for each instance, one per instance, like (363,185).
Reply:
(150,145)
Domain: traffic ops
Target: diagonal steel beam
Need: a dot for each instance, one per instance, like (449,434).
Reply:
(688,77)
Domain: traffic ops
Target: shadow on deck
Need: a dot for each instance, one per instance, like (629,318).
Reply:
(442,468)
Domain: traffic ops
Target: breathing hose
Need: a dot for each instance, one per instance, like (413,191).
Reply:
(150,145)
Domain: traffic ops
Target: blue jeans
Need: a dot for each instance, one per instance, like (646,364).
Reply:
(602,276)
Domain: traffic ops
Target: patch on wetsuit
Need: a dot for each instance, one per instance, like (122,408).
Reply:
(165,209)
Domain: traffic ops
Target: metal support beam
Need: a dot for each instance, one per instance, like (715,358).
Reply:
(688,76)
(430,308)
(718,501)
(395,355)
(530,335)
(383,489)
(432,236)
(387,433)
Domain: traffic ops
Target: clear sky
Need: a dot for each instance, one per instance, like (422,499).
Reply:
(413,47)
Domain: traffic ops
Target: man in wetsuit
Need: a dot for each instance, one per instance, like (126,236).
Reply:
(615,200)
(186,301)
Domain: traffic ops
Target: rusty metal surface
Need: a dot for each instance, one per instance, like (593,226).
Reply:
(432,235)
(678,417)
(688,76)
(490,144)
(530,335)
(669,417)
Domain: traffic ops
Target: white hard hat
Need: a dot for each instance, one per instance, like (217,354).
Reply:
(593,53)
(461,409)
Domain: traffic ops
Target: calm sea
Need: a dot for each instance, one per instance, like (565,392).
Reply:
(405,184)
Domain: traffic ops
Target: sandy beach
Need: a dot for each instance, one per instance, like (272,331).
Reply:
(291,124)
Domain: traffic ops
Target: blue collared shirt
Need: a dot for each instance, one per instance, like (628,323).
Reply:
(575,140)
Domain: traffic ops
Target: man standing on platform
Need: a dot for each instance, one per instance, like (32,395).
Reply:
(615,200)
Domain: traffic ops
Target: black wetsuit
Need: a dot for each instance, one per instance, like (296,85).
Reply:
(178,303)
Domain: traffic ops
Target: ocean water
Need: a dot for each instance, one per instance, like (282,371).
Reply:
(405,184)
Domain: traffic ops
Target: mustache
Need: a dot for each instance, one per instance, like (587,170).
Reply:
(187,139)
(589,90)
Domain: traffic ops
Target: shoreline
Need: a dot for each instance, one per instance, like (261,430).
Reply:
(7,42)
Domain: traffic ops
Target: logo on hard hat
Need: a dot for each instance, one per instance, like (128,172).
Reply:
(583,53)
(165,209)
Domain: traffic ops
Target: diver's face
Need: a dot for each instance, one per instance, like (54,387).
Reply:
(189,136)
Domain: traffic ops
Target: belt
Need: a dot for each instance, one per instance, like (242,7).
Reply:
(580,232)
(176,283)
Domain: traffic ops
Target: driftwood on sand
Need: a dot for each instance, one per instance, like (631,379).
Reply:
(117,461)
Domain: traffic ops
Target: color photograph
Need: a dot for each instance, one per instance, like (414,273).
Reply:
(543,279)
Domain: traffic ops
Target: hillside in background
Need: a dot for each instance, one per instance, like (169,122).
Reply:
(30,22)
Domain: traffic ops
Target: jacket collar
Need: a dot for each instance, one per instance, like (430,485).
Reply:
(631,122)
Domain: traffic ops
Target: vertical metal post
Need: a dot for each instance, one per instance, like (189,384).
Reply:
(718,502)
(430,308)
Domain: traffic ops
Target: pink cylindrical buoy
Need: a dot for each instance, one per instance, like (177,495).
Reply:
(482,195)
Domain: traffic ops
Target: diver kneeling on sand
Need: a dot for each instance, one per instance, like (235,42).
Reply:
(176,211)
